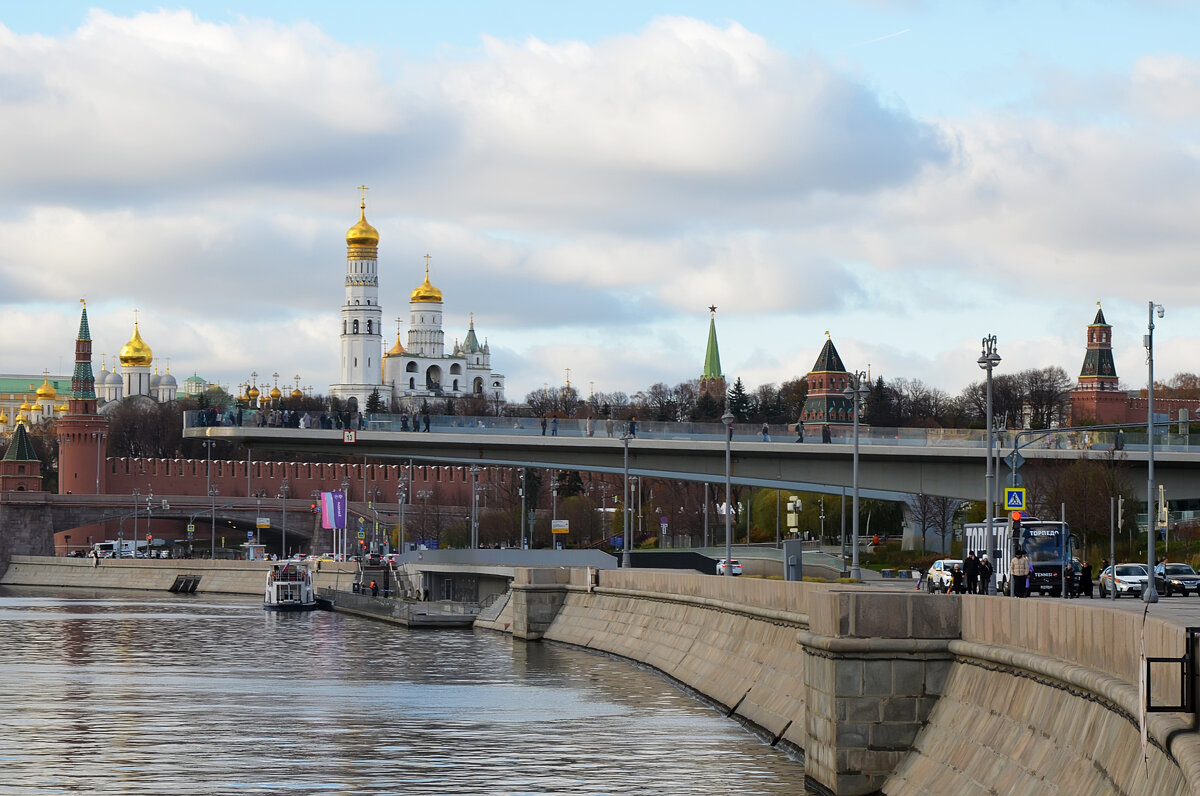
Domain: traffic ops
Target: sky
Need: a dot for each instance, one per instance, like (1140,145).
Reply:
(588,179)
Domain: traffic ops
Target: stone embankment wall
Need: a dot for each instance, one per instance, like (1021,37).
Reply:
(216,577)
(1044,698)
(900,692)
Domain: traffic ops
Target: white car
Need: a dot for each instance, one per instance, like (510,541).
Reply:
(1131,579)
(940,577)
(735,566)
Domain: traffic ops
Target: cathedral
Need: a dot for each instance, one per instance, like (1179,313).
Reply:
(40,404)
(405,374)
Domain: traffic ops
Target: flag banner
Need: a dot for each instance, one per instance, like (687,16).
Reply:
(333,510)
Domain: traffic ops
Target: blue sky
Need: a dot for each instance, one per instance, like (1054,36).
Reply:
(909,176)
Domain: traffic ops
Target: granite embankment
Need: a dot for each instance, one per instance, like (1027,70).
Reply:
(153,574)
(894,692)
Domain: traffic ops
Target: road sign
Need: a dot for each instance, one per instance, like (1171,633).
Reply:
(362,535)
(560,526)
(191,528)
(1015,479)
(1014,460)
(250,536)
(349,437)
(263,522)
(1014,498)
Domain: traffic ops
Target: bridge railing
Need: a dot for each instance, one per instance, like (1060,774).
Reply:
(839,434)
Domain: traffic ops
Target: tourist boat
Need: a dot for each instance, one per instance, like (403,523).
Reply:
(290,588)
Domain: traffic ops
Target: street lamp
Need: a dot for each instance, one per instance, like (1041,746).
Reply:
(474,506)
(521,494)
(99,437)
(283,494)
(855,393)
(208,446)
(626,559)
(136,494)
(1150,594)
(423,495)
(727,420)
(988,360)
(402,498)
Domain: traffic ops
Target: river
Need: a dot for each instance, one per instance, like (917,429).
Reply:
(141,692)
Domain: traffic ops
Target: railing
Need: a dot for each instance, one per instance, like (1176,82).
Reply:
(1065,439)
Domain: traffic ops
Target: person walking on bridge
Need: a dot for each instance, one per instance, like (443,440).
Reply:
(971,571)
(608,426)
(1019,572)
(986,571)
(766,433)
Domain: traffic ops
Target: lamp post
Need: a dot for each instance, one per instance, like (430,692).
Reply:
(727,420)
(208,446)
(375,492)
(99,437)
(521,494)
(283,495)
(423,496)
(474,506)
(402,498)
(988,360)
(346,523)
(1150,594)
(136,494)
(855,393)
(626,559)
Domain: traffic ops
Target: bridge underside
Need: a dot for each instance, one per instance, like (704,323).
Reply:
(888,472)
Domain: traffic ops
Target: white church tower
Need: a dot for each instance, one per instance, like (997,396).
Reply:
(362,317)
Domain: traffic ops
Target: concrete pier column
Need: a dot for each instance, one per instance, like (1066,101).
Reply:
(537,597)
(874,667)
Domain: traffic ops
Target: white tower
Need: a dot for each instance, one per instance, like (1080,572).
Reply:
(136,358)
(362,317)
(425,335)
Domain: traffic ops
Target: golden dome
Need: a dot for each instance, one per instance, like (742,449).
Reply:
(426,292)
(252,392)
(275,394)
(297,394)
(136,353)
(63,408)
(26,406)
(397,349)
(3,418)
(20,418)
(362,233)
(47,390)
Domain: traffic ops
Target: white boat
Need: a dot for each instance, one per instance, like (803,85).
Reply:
(290,588)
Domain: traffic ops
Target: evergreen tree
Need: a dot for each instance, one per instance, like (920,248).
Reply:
(374,401)
(706,410)
(739,401)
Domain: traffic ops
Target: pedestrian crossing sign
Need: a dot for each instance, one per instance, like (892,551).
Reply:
(1014,498)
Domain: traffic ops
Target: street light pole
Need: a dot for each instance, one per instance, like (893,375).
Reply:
(727,420)
(521,493)
(136,494)
(283,494)
(855,392)
(212,549)
(1150,594)
(474,506)
(988,360)
(626,559)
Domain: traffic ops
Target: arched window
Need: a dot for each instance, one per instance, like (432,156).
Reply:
(355,327)
(412,383)
(343,327)
(368,327)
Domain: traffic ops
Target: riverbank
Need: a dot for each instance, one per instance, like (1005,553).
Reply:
(157,574)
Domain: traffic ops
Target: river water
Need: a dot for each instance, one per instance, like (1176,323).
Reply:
(140,692)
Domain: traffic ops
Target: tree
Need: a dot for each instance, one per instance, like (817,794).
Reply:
(739,402)
(374,402)
(706,409)
(879,406)
(1046,391)
(792,394)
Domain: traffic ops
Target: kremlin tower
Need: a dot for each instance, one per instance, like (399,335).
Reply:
(82,433)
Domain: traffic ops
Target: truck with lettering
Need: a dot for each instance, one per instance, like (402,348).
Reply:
(1047,545)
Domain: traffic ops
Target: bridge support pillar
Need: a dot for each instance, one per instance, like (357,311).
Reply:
(874,668)
(537,596)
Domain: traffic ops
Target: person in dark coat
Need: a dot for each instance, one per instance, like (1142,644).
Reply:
(986,572)
(971,572)
(825,437)
(1085,579)
(957,582)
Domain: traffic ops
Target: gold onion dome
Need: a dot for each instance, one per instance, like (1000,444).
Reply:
(275,394)
(3,418)
(362,233)
(397,349)
(297,394)
(136,353)
(26,406)
(252,392)
(426,292)
(63,408)
(47,390)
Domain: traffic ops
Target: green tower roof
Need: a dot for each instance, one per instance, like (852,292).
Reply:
(712,356)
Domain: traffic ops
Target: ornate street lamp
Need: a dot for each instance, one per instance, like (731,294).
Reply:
(855,392)
(1150,594)
(988,360)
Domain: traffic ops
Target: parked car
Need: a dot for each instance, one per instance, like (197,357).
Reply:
(939,577)
(1179,579)
(374,560)
(734,564)
(1130,579)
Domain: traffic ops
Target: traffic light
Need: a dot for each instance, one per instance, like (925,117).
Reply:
(312,509)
